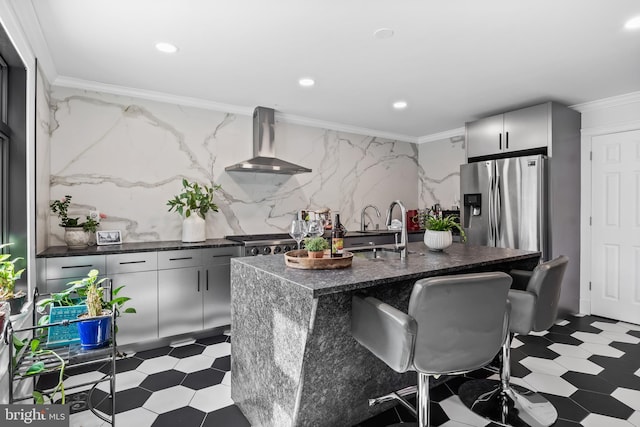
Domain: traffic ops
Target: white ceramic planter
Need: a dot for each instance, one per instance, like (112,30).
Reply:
(76,237)
(194,229)
(437,240)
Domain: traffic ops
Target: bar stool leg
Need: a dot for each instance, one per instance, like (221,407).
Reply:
(423,400)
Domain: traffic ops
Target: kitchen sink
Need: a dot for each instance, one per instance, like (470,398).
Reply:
(377,254)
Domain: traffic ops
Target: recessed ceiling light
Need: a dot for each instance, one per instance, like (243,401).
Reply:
(383,33)
(306,82)
(633,23)
(166,47)
(400,105)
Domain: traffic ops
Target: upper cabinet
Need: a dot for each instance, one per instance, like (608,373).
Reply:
(520,130)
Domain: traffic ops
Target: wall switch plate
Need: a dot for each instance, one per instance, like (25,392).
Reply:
(94,215)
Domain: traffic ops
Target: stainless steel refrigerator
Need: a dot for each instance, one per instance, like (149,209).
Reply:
(505,203)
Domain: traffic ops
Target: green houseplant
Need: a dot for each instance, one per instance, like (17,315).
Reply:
(315,246)
(8,277)
(194,199)
(76,233)
(438,233)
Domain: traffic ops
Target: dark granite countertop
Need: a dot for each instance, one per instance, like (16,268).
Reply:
(366,273)
(63,251)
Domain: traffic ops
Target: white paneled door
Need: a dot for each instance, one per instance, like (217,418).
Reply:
(615,231)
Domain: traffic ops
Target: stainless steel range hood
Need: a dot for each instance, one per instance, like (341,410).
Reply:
(264,159)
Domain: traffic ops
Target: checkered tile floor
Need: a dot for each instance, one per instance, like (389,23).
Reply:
(588,367)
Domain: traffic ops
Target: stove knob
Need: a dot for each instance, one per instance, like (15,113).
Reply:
(287,248)
(254,251)
(277,250)
(266,250)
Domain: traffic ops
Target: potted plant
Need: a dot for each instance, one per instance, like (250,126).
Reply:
(8,277)
(95,327)
(193,203)
(76,233)
(438,233)
(315,246)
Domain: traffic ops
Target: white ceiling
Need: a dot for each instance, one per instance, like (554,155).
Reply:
(452,60)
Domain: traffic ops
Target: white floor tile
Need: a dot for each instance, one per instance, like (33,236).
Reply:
(515,343)
(452,423)
(227,379)
(157,364)
(169,399)
(538,334)
(618,337)
(218,350)
(576,364)
(635,419)
(597,420)
(212,398)
(591,338)
(543,366)
(125,381)
(562,322)
(570,350)
(610,327)
(601,349)
(457,411)
(630,326)
(194,363)
(629,397)
(85,419)
(139,417)
(637,373)
(82,378)
(550,384)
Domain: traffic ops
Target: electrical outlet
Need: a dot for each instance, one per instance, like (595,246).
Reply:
(94,215)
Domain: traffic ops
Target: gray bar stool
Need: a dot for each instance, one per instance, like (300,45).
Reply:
(533,309)
(455,324)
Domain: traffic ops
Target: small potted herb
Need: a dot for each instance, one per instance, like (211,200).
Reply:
(193,203)
(8,277)
(438,234)
(76,233)
(315,246)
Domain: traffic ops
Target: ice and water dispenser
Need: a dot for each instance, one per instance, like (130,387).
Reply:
(471,206)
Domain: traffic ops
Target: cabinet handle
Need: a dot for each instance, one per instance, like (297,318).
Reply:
(507,140)
(500,141)
(77,266)
(180,259)
(207,282)
(132,262)
(198,280)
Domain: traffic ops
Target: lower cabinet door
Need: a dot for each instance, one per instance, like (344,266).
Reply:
(142,288)
(217,294)
(179,301)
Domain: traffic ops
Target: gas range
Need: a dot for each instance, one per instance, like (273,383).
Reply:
(264,244)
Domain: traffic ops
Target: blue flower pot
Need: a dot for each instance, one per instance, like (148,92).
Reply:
(95,332)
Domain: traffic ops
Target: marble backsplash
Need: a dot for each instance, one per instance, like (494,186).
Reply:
(439,172)
(127,156)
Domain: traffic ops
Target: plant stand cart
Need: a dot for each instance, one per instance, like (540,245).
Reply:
(72,354)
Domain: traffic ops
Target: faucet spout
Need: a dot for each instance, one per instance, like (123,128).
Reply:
(404,238)
(363,226)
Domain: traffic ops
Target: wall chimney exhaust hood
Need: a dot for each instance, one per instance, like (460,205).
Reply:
(264,159)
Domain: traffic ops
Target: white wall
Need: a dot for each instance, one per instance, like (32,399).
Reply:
(126,157)
(611,115)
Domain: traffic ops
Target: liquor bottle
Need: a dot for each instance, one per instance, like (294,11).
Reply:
(337,238)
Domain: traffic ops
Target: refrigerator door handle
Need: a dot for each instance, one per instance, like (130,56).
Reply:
(492,237)
(498,209)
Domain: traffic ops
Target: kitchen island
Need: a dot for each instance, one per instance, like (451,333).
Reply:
(293,360)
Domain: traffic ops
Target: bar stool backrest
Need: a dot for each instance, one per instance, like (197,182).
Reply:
(546,284)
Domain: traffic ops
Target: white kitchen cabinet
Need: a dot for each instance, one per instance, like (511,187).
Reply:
(55,273)
(179,292)
(520,130)
(138,272)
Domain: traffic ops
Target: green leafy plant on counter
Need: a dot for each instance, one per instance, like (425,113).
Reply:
(315,244)
(446,223)
(194,198)
(61,208)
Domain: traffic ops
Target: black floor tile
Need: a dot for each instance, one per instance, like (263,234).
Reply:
(621,364)
(125,400)
(621,378)
(83,369)
(603,404)
(187,351)
(566,423)
(561,330)
(156,352)
(222,363)
(634,333)
(229,416)
(440,393)
(162,380)
(583,324)
(567,408)
(47,381)
(217,339)
(186,416)
(202,379)
(589,382)
(627,348)
(563,338)
(123,365)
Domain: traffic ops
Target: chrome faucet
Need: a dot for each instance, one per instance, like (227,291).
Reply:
(363,226)
(404,238)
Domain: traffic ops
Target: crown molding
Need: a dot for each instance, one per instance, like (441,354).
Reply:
(613,101)
(441,135)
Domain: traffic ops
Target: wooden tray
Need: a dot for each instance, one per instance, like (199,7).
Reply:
(300,259)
